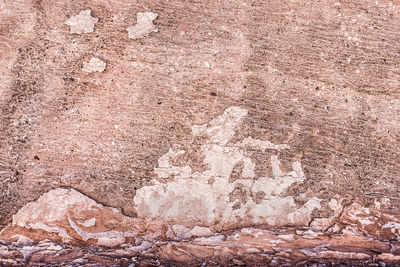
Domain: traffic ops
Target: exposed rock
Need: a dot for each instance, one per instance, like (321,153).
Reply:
(200,231)
(58,211)
(53,212)
(181,231)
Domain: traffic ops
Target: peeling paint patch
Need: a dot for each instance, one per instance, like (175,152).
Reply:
(144,25)
(82,23)
(94,65)
(264,145)
(221,129)
(304,213)
(165,168)
(190,198)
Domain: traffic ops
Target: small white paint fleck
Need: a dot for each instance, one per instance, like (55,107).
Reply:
(82,23)
(88,223)
(207,64)
(365,221)
(264,145)
(144,25)
(94,65)
(357,71)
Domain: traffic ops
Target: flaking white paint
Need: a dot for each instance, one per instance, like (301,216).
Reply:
(94,65)
(190,198)
(82,23)
(144,25)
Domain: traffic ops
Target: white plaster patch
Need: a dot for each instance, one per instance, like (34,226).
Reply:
(82,23)
(191,198)
(94,65)
(165,168)
(222,128)
(303,214)
(144,25)
(264,145)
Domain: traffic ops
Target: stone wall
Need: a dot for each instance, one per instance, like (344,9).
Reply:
(201,132)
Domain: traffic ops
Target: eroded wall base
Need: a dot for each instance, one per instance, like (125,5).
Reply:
(65,226)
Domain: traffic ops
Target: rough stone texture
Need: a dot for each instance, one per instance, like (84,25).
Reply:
(222,132)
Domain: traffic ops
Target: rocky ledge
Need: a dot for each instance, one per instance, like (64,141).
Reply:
(65,226)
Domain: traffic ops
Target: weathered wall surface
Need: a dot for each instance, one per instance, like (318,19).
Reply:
(239,131)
